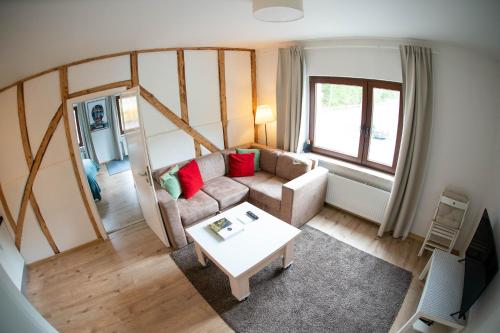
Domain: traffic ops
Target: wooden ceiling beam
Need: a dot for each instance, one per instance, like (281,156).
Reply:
(222,95)
(118,54)
(253,64)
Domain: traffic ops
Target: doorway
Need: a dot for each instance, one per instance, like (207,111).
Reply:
(104,154)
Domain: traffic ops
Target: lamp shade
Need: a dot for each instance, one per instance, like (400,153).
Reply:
(263,115)
(278,10)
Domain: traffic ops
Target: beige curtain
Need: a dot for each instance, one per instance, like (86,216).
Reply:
(88,144)
(417,93)
(115,127)
(289,97)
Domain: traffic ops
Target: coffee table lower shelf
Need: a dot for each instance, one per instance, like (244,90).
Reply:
(240,287)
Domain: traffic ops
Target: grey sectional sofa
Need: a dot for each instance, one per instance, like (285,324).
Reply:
(288,186)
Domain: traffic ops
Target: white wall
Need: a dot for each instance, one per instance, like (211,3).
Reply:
(158,74)
(466,111)
(55,185)
(465,118)
(353,60)
(267,66)
(63,209)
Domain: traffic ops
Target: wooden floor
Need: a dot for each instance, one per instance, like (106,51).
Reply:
(119,206)
(130,284)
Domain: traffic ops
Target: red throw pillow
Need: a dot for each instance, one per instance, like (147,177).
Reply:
(190,179)
(241,165)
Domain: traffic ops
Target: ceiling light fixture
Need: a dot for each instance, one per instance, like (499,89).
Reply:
(278,10)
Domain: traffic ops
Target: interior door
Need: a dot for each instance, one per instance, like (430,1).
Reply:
(139,162)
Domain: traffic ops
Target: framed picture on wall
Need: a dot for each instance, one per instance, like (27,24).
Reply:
(97,113)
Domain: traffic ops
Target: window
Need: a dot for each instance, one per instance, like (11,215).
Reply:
(77,126)
(356,120)
(128,113)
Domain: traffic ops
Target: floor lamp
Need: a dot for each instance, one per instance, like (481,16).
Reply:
(264,115)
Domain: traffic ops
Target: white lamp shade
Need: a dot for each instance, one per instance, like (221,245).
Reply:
(264,115)
(278,10)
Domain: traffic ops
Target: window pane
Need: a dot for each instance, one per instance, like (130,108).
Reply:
(384,126)
(130,114)
(338,117)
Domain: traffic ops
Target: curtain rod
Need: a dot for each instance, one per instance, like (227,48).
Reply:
(327,47)
(350,46)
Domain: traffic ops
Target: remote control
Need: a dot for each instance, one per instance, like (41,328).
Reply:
(252,215)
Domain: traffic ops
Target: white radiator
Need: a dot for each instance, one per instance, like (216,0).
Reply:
(361,199)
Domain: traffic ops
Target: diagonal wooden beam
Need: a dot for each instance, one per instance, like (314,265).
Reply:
(118,84)
(43,224)
(7,211)
(63,81)
(21,112)
(181,74)
(222,95)
(28,187)
(197,148)
(29,161)
(253,67)
(151,99)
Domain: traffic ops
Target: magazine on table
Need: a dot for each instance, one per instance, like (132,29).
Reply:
(225,228)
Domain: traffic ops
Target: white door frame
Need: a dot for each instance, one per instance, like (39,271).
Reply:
(76,150)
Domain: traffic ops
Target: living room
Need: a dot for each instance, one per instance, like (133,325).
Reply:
(225,85)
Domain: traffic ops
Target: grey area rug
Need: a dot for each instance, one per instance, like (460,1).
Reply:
(330,287)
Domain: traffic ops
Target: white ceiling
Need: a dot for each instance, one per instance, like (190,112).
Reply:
(38,34)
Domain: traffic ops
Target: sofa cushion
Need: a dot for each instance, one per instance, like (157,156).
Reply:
(170,182)
(268,160)
(226,191)
(211,166)
(258,177)
(256,155)
(291,166)
(241,165)
(156,174)
(200,206)
(190,179)
(268,192)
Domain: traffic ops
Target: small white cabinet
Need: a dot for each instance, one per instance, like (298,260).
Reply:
(442,295)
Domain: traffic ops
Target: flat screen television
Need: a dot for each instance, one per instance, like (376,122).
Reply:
(481,264)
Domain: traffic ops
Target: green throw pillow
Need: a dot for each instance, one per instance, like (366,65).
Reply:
(256,157)
(170,182)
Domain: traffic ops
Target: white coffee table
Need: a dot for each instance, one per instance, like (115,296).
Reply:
(246,253)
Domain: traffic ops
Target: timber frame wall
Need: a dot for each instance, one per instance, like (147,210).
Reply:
(34,159)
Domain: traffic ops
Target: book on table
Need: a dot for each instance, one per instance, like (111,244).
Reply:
(225,228)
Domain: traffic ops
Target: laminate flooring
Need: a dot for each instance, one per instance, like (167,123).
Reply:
(129,283)
(119,206)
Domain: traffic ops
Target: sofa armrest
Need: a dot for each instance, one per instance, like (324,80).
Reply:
(171,217)
(303,197)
